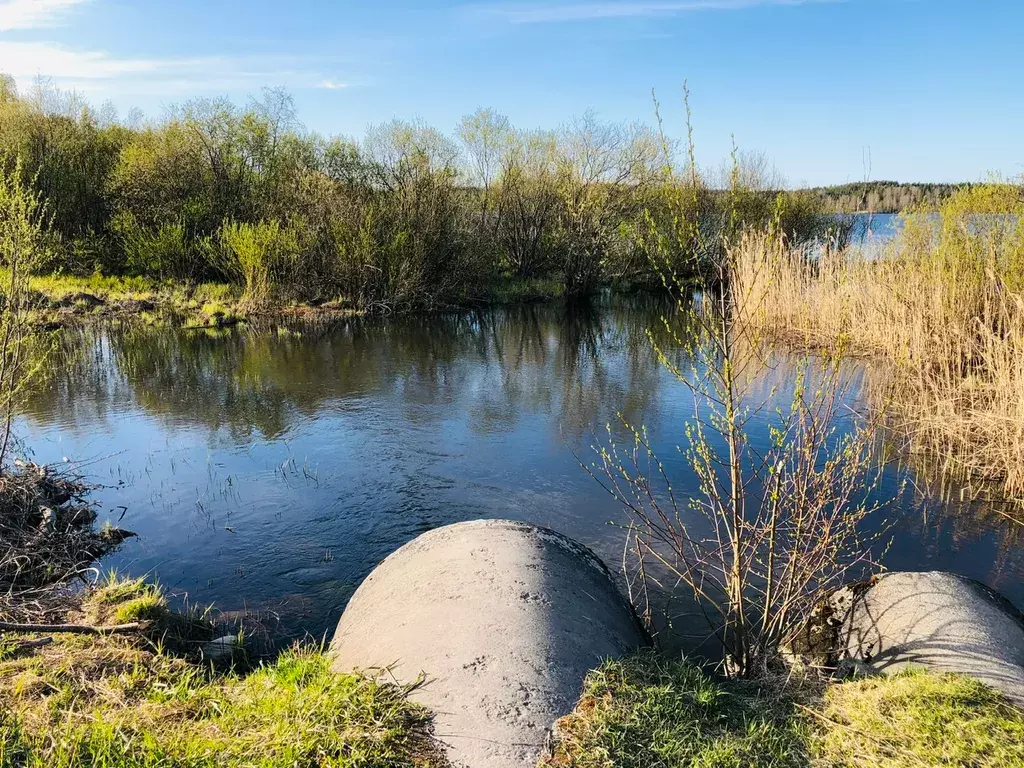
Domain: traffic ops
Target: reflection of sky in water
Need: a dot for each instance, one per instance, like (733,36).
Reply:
(872,232)
(274,470)
(877,226)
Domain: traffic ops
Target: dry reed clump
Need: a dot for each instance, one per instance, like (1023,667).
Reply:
(942,307)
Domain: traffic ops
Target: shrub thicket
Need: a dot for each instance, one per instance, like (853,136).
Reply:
(406,218)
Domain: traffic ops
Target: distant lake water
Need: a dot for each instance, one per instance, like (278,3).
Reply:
(273,469)
(875,227)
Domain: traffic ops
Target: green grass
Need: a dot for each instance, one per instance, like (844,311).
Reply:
(67,299)
(123,702)
(646,712)
(102,286)
(919,719)
(70,298)
(516,290)
(115,288)
(116,709)
(218,313)
(120,287)
(122,601)
(115,589)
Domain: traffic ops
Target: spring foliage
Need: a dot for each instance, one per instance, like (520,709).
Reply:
(407,217)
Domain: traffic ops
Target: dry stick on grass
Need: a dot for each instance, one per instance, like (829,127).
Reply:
(37,643)
(77,629)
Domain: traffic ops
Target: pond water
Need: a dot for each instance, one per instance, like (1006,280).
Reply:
(271,470)
(875,227)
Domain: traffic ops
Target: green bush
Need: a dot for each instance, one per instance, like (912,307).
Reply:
(976,234)
(400,236)
(163,251)
(261,255)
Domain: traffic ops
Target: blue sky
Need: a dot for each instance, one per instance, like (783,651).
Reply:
(934,88)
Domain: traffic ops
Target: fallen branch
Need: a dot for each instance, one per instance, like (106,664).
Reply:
(39,643)
(30,644)
(77,629)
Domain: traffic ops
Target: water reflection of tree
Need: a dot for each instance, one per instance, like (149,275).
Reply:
(956,512)
(576,366)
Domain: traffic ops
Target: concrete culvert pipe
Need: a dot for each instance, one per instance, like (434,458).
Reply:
(504,619)
(936,620)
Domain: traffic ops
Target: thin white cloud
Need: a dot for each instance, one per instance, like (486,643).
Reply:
(537,13)
(101,72)
(27,59)
(332,85)
(31,14)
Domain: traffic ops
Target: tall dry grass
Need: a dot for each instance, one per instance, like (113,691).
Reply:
(941,307)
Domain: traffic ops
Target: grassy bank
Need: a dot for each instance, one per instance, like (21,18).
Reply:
(646,711)
(942,310)
(150,699)
(129,702)
(59,300)
(108,676)
(56,301)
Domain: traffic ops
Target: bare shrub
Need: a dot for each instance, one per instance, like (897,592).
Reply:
(23,243)
(528,203)
(772,529)
(604,171)
(399,235)
(45,531)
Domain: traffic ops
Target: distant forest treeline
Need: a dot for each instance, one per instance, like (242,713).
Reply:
(882,196)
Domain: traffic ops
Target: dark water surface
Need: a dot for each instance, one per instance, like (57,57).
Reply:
(272,470)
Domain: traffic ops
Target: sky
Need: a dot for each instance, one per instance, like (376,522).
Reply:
(830,91)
